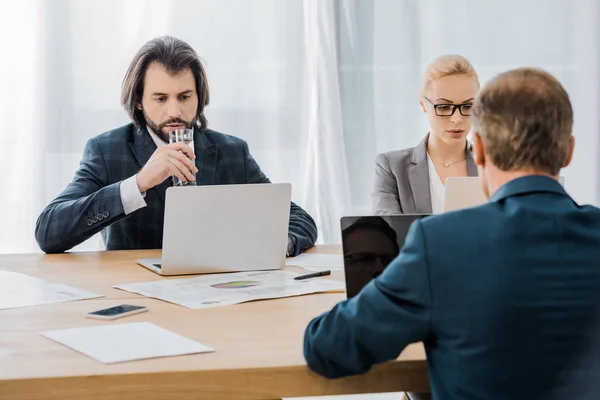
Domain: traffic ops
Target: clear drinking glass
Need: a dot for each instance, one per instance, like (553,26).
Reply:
(186,136)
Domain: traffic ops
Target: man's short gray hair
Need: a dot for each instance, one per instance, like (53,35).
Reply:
(525,119)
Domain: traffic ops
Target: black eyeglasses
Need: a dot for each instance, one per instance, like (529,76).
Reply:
(446,110)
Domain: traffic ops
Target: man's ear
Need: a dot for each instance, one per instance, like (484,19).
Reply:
(570,152)
(139,106)
(478,153)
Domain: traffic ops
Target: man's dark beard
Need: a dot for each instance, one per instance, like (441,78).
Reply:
(158,129)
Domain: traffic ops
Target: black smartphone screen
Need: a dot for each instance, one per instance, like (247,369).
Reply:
(108,312)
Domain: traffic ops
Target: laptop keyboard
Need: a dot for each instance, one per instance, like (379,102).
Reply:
(158,266)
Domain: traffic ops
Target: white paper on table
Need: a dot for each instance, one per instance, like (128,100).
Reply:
(317,262)
(370,396)
(126,342)
(231,288)
(20,290)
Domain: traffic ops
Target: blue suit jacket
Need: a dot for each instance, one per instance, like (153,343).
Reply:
(92,202)
(504,296)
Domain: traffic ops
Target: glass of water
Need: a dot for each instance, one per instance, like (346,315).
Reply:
(186,136)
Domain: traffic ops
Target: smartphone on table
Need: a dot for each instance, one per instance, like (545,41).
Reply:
(121,311)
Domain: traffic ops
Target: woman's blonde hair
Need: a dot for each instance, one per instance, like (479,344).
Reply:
(447,65)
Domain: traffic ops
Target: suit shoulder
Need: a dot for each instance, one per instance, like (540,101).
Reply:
(219,139)
(457,224)
(589,209)
(397,156)
(394,162)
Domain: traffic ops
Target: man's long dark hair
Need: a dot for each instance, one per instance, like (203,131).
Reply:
(175,56)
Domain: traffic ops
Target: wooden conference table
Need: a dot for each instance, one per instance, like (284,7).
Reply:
(258,344)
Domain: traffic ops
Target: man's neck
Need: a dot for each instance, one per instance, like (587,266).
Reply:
(496,178)
(443,152)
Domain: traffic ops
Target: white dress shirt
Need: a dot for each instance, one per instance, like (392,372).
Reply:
(131,198)
(436,188)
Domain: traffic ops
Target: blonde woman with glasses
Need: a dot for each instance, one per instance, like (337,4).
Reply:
(413,180)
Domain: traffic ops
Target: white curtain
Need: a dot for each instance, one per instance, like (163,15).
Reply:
(317,87)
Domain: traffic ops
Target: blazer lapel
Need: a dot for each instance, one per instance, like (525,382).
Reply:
(471,167)
(418,176)
(142,146)
(206,159)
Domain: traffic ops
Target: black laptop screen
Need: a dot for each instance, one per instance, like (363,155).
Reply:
(369,244)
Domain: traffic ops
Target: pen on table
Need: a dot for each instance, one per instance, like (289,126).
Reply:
(313,275)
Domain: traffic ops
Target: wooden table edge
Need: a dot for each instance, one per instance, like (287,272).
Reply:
(248,384)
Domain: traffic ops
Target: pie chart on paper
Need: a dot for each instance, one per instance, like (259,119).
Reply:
(235,285)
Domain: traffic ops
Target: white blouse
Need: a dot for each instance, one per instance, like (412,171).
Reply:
(436,188)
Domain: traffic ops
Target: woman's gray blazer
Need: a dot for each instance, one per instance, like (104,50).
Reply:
(402,180)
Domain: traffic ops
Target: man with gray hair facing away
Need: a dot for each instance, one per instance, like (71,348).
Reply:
(504,296)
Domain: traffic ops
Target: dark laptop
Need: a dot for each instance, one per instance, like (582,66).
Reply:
(369,244)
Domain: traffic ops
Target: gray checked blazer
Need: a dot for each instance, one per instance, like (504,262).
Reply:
(402,180)
(92,202)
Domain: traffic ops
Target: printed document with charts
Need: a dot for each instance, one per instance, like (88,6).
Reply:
(231,288)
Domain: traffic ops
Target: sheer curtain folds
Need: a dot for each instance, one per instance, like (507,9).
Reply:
(316,87)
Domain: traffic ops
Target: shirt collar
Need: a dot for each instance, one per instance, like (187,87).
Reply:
(157,141)
(528,184)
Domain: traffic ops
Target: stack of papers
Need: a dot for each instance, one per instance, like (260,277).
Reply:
(126,342)
(19,290)
(232,288)
(317,262)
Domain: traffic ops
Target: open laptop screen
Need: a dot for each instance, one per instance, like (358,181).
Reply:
(369,244)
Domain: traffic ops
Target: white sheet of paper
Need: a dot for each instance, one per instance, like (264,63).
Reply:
(370,396)
(20,290)
(317,262)
(226,289)
(115,343)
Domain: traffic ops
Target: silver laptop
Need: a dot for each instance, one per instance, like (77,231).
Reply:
(466,192)
(226,228)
